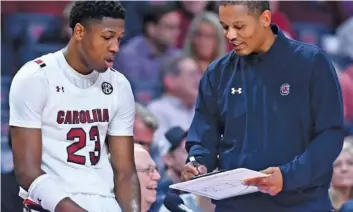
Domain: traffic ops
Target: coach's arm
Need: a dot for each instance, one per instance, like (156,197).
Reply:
(121,147)
(27,99)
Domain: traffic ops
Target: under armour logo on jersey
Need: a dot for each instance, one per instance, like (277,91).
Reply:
(59,88)
(107,88)
(239,90)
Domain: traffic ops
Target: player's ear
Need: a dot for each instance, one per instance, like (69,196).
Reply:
(79,31)
(265,18)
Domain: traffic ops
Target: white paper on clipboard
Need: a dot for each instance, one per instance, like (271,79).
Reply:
(221,185)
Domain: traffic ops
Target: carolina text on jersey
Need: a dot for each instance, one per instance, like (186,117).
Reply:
(82,116)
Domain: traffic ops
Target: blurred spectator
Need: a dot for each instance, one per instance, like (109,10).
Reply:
(133,19)
(148,176)
(187,11)
(7,57)
(346,81)
(347,207)
(174,160)
(44,7)
(281,19)
(60,35)
(344,34)
(139,59)
(144,126)
(318,12)
(10,201)
(342,179)
(175,157)
(205,40)
(181,77)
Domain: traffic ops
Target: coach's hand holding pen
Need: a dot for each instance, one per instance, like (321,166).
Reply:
(192,169)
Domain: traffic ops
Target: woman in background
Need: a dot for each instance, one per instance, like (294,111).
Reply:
(205,40)
(341,189)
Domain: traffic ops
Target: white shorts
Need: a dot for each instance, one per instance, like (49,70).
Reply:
(96,203)
(93,203)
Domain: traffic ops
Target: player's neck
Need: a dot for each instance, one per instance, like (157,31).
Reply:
(75,61)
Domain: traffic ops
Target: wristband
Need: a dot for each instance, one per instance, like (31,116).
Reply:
(45,191)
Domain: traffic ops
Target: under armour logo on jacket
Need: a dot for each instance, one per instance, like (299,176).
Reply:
(239,90)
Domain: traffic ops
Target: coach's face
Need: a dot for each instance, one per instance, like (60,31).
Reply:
(244,30)
(99,41)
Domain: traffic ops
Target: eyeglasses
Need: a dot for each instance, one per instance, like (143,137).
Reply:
(150,170)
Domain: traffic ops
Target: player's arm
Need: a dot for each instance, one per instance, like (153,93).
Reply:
(204,133)
(327,112)
(121,146)
(27,99)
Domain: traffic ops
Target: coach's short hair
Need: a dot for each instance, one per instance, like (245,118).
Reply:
(255,7)
(84,11)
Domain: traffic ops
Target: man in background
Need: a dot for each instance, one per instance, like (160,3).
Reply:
(145,125)
(174,160)
(140,58)
(148,176)
(180,77)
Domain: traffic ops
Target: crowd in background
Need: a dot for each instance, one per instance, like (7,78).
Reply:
(166,48)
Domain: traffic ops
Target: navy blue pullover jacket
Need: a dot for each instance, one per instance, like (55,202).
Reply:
(282,108)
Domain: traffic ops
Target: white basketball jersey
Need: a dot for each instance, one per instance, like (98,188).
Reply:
(74,124)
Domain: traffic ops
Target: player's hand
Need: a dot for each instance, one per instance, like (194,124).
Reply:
(189,171)
(67,204)
(272,184)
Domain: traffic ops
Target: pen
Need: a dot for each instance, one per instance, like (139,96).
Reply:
(194,163)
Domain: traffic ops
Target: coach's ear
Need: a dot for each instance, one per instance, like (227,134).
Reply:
(79,30)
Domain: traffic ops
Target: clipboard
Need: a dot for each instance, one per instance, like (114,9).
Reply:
(208,174)
(220,184)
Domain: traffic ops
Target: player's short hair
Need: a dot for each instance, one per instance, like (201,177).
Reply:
(146,116)
(84,11)
(255,7)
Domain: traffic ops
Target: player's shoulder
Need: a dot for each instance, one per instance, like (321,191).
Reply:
(37,65)
(34,70)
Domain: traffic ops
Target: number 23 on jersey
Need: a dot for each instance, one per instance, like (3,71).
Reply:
(83,137)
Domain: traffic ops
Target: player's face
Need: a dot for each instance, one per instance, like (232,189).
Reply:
(242,29)
(343,171)
(99,42)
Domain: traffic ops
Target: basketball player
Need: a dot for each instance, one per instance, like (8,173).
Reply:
(62,107)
